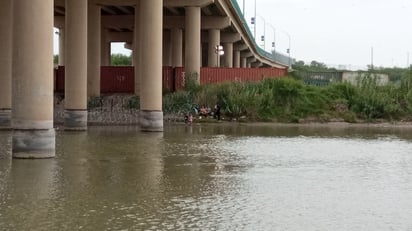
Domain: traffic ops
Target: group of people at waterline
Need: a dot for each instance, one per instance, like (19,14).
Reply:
(203,111)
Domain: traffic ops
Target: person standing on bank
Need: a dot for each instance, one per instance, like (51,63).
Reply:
(190,119)
(217,111)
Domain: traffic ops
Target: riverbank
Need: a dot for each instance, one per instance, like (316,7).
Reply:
(396,125)
(116,110)
(107,110)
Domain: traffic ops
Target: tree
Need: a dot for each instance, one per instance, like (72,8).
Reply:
(55,59)
(121,60)
(318,65)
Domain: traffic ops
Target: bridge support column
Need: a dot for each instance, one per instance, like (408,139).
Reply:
(228,57)
(177,47)
(5,62)
(243,62)
(167,48)
(248,64)
(32,82)
(236,59)
(151,115)
(193,42)
(214,40)
(105,48)
(137,52)
(75,117)
(93,52)
(61,46)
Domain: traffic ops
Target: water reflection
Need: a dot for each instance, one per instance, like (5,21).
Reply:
(213,177)
(292,130)
(28,194)
(5,145)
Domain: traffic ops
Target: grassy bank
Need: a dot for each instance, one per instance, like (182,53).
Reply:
(289,100)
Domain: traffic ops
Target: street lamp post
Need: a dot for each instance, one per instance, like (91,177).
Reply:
(254,29)
(243,7)
(264,32)
(288,50)
(274,40)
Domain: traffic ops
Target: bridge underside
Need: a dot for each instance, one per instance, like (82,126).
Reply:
(159,32)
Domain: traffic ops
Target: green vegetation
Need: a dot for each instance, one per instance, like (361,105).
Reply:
(121,60)
(289,100)
(94,102)
(300,69)
(55,59)
(396,74)
(116,60)
(133,102)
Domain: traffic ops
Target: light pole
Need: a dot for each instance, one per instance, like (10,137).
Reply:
(243,7)
(254,29)
(288,50)
(274,39)
(263,39)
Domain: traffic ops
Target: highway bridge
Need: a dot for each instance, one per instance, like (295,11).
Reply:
(179,33)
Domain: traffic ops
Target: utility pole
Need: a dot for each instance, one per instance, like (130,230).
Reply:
(274,40)
(263,39)
(372,58)
(243,8)
(254,29)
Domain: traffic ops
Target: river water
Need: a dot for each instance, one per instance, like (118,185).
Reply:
(213,177)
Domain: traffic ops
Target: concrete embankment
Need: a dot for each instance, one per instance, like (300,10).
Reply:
(108,110)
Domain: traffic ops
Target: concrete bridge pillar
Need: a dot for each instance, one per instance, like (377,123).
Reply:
(236,59)
(105,48)
(243,62)
(228,56)
(137,54)
(93,52)
(214,40)
(177,47)
(193,42)
(6,9)
(151,115)
(32,82)
(61,46)
(167,48)
(248,64)
(75,117)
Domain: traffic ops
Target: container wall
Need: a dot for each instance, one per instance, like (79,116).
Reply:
(168,80)
(120,79)
(179,77)
(59,83)
(218,75)
(117,79)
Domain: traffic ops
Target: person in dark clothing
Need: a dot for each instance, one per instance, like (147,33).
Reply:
(217,111)
(186,118)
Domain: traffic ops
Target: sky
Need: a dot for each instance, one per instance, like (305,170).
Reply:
(337,32)
(353,33)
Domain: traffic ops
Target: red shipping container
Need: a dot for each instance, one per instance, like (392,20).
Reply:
(117,79)
(179,77)
(168,81)
(59,84)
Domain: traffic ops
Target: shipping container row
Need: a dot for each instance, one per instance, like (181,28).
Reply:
(120,79)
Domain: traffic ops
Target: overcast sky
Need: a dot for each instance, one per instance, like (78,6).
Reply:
(338,31)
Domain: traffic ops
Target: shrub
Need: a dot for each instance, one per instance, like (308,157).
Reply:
(133,102)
